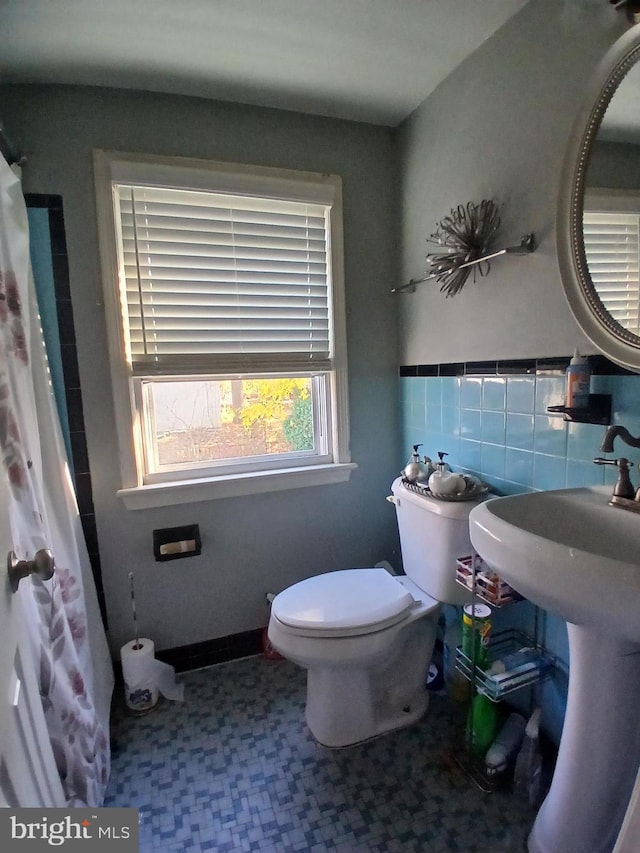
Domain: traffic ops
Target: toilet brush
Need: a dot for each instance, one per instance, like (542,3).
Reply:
(133,608)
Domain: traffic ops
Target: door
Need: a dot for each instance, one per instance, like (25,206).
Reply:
(28,775)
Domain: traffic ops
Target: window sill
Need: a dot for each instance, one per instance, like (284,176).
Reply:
(236,485)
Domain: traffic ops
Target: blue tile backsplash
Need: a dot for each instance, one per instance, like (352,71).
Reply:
(498,428)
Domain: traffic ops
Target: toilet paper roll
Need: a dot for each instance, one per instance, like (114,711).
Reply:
(139,674)
(145,677)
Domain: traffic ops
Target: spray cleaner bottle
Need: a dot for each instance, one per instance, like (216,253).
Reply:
(528,771)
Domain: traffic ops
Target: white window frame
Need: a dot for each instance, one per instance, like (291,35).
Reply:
(139,490)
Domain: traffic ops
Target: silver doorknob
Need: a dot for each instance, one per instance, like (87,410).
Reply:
(42,565)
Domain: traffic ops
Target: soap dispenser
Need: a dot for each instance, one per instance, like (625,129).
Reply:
(443,481)
(416,471)
(578,381)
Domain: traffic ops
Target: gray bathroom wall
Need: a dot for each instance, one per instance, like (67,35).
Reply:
(498,128)
(256,544)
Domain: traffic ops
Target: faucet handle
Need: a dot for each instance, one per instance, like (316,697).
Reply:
(623,487)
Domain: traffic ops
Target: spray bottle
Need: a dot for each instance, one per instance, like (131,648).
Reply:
(528,771)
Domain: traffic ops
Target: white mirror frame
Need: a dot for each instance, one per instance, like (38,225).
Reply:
(614,341)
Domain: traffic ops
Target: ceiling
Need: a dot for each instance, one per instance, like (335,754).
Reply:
(365,60)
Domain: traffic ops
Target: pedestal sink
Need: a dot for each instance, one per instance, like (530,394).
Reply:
(571,553)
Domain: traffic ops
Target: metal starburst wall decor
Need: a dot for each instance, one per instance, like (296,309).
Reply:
(466,236)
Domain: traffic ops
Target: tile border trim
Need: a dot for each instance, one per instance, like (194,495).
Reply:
(600,366)
(207,653)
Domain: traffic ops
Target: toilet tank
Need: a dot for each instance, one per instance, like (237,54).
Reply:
(433,534)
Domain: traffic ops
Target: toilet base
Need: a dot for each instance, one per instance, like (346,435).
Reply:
(349,704)
(348,718)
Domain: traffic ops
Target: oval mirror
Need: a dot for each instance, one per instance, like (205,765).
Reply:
(599,208)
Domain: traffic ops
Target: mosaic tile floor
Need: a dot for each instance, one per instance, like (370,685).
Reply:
(234,768)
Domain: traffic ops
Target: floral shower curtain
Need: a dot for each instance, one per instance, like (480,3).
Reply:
(62,614)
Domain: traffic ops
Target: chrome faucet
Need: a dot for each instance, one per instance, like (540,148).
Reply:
(624,495)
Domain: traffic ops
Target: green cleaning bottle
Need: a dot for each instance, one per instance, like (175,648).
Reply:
(482,725)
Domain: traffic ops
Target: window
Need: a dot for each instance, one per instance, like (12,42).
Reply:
(224,291)
(611,227)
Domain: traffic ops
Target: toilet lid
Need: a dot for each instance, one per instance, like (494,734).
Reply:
(353,598)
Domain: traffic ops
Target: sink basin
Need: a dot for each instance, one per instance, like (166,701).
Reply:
(567,551)
(571,553)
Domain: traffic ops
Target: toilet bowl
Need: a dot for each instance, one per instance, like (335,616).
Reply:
(365,636)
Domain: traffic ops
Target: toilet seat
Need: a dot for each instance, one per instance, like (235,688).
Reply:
(342,604)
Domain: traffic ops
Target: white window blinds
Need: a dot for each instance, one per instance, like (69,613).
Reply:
(215,283)
(612,247)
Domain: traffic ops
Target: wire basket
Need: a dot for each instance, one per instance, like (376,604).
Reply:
(499,685)
(474,574)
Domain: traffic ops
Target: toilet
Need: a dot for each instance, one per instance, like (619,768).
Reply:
(366,636)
